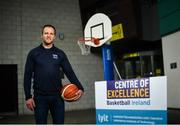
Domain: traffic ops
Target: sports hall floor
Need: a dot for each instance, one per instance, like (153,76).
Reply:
(78,117)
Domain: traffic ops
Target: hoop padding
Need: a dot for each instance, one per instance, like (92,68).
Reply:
(85,49)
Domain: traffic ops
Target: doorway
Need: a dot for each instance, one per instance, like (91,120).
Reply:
(8,89)
(140,64)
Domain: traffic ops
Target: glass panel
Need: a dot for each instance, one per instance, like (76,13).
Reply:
(132,68)
(146,66)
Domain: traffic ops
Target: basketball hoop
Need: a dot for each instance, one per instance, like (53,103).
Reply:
(85,49)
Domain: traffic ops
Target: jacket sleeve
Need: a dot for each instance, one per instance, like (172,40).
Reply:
(67,68)
(29,66)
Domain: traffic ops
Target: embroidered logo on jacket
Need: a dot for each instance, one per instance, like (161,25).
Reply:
(55,56)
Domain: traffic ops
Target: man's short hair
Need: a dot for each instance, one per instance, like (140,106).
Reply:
(49,25)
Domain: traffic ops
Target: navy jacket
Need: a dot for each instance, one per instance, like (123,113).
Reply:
(42,68)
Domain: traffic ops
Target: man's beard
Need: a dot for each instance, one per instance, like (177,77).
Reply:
(47,43)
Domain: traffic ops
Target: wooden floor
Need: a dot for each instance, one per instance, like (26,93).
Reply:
(78,117)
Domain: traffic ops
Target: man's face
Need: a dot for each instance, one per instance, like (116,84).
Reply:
(48,35)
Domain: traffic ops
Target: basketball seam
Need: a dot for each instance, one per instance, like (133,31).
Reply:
(65,89)
(62,95)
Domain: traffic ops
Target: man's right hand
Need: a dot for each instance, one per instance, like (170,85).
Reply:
(30,104)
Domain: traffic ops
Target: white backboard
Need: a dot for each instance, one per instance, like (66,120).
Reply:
(98,26)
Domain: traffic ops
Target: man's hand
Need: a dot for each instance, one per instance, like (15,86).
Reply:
(30,104)
(78,95)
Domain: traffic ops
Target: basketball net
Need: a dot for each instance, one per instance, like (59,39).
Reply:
(85,49)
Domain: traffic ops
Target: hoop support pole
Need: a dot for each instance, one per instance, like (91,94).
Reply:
(108,62)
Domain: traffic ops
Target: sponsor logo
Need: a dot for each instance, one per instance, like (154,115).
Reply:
(55,56)
(103,118)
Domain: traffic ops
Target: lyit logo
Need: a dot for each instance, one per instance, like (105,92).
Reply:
(103,118)
(55,56)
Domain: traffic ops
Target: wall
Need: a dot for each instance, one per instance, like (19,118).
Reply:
(21,22)
(150,22)
(169,29)
(168,13)
(171,47)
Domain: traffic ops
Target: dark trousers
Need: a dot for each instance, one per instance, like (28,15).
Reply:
(52,103)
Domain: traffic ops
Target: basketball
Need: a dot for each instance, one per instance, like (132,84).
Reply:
(96,41)
(68,92)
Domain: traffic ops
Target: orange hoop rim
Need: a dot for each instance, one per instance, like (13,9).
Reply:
(84,39)
(90,39)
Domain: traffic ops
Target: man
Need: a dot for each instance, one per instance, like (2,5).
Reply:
(42,68)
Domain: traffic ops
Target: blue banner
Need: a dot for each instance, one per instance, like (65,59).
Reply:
(105,116)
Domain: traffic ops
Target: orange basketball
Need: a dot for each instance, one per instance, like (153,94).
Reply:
(68,92)
(96,41)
